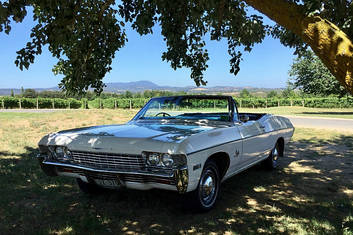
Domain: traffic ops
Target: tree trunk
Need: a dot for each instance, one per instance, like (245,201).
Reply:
(329,43)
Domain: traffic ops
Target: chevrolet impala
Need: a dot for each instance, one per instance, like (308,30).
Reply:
(188,144)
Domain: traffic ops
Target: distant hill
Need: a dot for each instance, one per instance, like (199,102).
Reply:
(139,86)
(131,86)
(7,91)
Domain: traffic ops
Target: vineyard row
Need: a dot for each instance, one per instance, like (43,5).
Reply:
(113,103)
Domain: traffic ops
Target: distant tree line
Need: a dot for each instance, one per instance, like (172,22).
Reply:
(289,92)
(90,95)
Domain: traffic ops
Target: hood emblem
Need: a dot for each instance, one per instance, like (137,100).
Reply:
(236,153)
(96,148)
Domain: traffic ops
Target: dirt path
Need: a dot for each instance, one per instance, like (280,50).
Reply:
(337,124)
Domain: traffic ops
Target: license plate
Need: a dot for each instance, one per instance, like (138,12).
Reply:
(108,183)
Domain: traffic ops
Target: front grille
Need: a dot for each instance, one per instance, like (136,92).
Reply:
(108,161)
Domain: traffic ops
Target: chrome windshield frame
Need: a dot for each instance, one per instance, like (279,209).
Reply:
(232,109)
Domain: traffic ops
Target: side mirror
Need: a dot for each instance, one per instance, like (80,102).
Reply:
(244,118)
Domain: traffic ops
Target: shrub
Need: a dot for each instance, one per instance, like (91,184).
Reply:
(60,103)
(10,102)
(29,103)
(94,104)
(123,103)
(139,102)
(74,104)
(108,103)
(45,103)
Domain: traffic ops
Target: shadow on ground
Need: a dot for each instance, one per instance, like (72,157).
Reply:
(310,192)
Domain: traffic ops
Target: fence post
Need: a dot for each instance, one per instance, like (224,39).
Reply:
(69,105)
(278,102)
(53,103)
(130,104)
(291,103)
(37,104)
(240,103)
(19,103)
(115,106)
(100,103)
(303,103)
(3,104)
(266,103)
(214,104)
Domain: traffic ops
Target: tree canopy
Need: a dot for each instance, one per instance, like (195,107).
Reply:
(85,35)
(311,76)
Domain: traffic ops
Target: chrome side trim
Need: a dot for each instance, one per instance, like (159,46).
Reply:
(109,171)
(234,141)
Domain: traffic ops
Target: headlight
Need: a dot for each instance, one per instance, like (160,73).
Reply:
(167,160)
(59,152)
(153,159)
(62,153)
(158,159)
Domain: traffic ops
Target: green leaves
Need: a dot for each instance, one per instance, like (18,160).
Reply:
(186,25)
(311,76)
(85,34)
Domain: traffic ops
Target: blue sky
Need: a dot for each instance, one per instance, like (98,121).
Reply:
(266,65)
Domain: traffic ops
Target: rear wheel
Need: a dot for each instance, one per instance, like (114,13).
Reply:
(272,161)
(205,196)
(89,188)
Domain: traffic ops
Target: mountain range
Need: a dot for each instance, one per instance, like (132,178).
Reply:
(139,86)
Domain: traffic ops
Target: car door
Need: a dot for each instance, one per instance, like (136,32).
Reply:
(236,149)
(253,141)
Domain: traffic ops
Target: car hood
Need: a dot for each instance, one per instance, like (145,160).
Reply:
(132,137)
(140,130)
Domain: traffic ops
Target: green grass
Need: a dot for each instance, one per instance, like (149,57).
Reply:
(346,113)
(311,192)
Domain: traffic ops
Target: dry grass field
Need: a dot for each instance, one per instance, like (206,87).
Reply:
(310,193)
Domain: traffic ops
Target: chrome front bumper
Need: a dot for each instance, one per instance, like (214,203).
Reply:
(175,179)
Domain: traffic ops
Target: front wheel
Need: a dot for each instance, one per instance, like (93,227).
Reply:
(204,197)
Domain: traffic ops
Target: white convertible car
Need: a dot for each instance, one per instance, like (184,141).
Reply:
(188,144)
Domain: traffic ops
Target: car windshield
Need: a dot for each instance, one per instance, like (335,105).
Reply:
(215,109)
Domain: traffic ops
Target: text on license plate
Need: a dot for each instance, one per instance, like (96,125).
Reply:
(107,183)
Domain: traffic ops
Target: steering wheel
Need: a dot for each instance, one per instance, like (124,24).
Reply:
(162,113)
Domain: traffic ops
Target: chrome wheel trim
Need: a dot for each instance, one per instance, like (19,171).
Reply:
(274,156)
(208,188)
